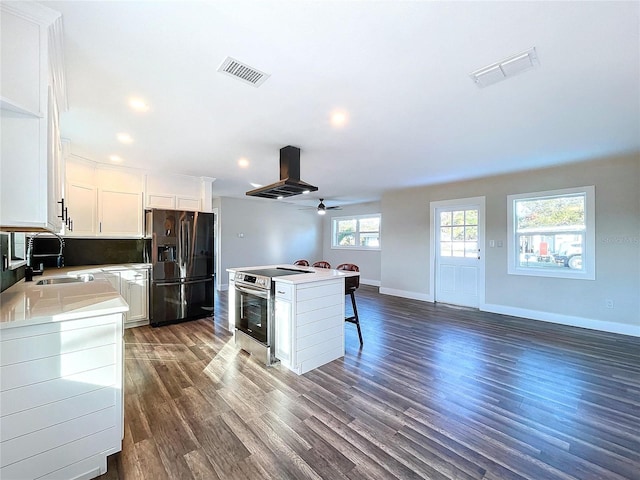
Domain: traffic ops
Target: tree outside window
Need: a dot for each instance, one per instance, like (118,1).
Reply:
(358,232)
(552,233)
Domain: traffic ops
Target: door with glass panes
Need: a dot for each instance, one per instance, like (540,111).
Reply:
(458,256)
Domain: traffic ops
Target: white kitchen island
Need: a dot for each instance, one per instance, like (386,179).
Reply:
(61,385)
(309,315)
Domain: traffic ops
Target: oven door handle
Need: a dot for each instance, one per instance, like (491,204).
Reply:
(254,291)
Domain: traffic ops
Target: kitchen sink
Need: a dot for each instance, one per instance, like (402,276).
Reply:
(69,279)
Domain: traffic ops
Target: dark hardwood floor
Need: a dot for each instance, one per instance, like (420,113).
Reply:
(436,392)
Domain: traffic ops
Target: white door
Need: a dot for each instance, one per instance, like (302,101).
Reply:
(458,238)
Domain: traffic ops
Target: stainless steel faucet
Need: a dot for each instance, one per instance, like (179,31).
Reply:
(31,255)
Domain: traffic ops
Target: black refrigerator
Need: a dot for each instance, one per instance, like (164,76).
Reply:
(182,266)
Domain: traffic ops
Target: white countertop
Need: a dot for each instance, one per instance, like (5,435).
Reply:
(310,274)
(26,303)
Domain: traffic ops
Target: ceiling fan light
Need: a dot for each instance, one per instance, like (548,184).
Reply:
(321,211)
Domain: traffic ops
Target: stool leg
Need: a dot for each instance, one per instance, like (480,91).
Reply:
(355,315)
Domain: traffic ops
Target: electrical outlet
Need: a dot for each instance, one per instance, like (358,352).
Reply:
(608,303)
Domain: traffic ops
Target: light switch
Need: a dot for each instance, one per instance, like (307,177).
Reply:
(499,243)
(492,243)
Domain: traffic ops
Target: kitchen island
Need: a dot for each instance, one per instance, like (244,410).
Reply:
(61,385)
(307,310)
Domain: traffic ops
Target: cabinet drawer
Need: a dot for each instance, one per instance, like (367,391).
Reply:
(284,291)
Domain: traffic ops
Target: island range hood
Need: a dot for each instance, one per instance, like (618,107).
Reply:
(290,183)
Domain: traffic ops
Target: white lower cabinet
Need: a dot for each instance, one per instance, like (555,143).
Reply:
(133,285)
(61,396)
(309,324)
(134,288)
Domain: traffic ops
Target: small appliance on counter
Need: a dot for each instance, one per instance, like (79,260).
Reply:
(182,267)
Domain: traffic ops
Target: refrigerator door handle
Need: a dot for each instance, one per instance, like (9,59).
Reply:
(188,282)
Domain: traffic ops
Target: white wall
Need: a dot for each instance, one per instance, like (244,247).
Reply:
(406,238)
(272,232)
(367,260)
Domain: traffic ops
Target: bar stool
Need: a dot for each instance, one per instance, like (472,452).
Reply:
(302,263)
(350,286)
(321,264)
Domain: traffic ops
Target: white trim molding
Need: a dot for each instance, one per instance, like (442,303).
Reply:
(569,320)
(406,294)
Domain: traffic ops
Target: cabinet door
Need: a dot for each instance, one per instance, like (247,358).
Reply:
(135,290)
(81,201)
(20,45)
(114,280)
(284,332)
(120,214)
(55,213)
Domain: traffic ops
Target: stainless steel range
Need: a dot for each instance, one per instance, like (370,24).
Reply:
(255,310)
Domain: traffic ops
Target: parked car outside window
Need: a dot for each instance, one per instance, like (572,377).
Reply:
(570,254)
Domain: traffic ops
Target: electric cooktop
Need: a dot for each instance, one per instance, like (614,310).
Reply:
(274,272)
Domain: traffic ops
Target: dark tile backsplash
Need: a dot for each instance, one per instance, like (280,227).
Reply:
(94,251)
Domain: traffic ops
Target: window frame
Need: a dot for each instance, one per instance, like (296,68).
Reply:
(588,271)
(357,218)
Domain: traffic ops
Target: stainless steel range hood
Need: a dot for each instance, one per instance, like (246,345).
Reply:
(290,183)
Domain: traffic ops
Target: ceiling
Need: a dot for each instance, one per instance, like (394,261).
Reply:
(399,72)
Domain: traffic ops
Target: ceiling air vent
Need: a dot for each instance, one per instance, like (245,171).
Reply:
(243,72)
(506,68)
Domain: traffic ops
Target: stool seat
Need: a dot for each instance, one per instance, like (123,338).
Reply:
(301,262)
(351,284)
(321,264)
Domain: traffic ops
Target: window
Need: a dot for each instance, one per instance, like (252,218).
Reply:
(459,233)
(552,234)
(16,249)
(358,232)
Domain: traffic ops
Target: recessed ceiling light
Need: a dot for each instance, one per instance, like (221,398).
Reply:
(243,163)
(115,159)
(138,105)
(339,118)
(124,138)
(255,185)
(280,197)
(306,192)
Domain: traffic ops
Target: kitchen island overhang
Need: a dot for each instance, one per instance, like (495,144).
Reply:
(305,311)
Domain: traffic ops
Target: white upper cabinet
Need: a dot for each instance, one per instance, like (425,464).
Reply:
(21,63)
(31,93)
(178,192)
(103,201)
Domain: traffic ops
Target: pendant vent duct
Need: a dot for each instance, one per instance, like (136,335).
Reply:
(243,72)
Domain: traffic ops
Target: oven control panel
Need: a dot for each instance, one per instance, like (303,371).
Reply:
(257,280)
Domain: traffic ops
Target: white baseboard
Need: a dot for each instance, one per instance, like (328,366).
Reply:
(590,323)
(406,294)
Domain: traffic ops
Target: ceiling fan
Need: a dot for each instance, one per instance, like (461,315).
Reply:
(322,208)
